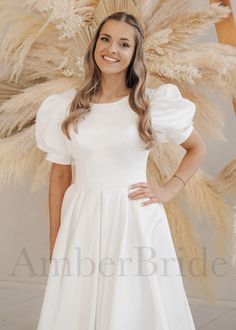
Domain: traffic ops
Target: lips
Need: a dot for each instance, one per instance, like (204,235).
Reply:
(110,61)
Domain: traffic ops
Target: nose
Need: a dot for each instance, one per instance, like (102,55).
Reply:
(113,48)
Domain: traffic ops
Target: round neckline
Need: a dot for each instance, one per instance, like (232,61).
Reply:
(108,103)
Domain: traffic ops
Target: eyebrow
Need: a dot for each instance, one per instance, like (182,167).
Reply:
(120,38)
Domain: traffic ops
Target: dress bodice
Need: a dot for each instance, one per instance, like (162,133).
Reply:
(107,148)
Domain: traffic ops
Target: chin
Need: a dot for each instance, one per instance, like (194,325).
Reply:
(109,68)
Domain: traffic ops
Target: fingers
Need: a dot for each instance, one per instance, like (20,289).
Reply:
(145,192)
(147,202)
(150,201)
(139,184)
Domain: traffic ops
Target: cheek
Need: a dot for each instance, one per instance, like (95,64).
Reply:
(98,49)
(97,53)
(128,56)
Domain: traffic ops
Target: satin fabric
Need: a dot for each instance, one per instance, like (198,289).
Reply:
(114,264)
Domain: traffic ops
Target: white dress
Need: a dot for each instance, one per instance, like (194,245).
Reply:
(112,269)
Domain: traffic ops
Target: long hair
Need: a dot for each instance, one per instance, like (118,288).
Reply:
(136,75)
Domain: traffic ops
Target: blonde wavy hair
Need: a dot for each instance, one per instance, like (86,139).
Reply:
(136,75)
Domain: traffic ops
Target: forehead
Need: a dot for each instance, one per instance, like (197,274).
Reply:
(119,30)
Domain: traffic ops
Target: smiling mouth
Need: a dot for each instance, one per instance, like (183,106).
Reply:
(110,61)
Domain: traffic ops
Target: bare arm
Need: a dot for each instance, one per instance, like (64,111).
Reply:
(60,180)
(196,151)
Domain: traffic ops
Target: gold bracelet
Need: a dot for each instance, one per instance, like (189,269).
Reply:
(179,179)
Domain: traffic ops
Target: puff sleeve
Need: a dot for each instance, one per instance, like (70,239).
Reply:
(48,133)
(171,114)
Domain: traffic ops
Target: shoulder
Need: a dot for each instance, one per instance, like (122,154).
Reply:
(167,100)
(64,97)
(165,90)
(67,95)
(48,132)
(56,104)
(54,109)
(171,113)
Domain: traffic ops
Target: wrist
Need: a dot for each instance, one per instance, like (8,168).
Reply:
(179,178)
(174,185)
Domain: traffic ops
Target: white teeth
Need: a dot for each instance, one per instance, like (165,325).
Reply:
(110,59)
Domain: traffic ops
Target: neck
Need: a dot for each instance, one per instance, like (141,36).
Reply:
(112,86)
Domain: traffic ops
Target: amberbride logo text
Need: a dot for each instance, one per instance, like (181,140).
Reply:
(142,261)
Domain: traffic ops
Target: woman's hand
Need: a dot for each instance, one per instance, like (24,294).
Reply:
(156,194)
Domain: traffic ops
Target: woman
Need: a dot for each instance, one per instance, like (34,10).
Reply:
(115,262)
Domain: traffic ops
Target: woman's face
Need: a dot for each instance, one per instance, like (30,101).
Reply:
(117,41)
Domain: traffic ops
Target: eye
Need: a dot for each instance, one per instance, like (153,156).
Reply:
(123,43)
(103,38)
(126,45)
